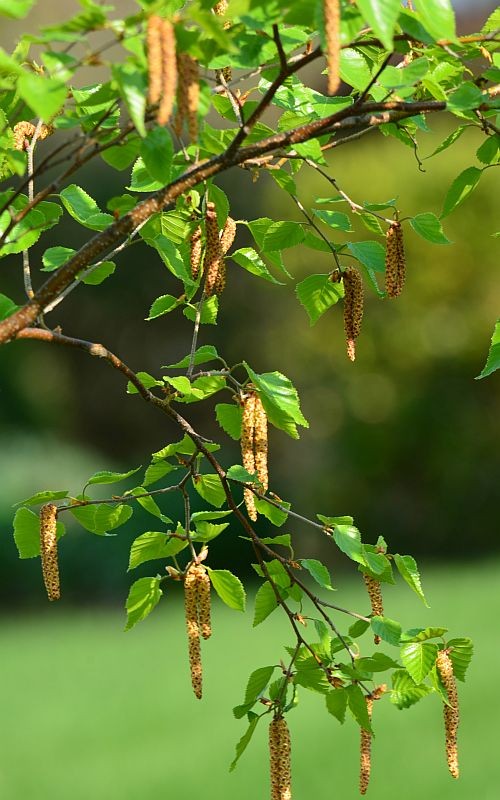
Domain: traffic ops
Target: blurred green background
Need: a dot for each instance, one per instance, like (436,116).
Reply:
(405,440)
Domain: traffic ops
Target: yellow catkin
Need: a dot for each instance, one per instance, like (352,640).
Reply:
(332,36)
(451,712)
(279,758)
(213,251)
(24,131)
(195,254)
(168,71)
(375,595)
(247,448)
(365,751)
(154,54)
(193,629)
(353,308)
(228,234)
(204,605)
(48,550)
(395,261)
(220,282)
(188,95)
(221,9)
(260,443)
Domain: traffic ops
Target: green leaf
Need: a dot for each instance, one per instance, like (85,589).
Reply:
(265,603)
(407,567)
(277,516)
(142,598)
(84,208)
(422,634)
(460,189)
(157,471)
(141,180)
(42,497)
(348,539)
(148,503)
(45,96)
(104,476)
(461,651)
(405,692)
(146,379)
(157,151)
(245,739)
(429,227)
(162,305)
(318,571)
(354,69)
(378,662)
(358,628)
(228,587)
(437,17)
(229,417)
(257,682)
(336,703)
(382,16)
(55,257)
(250,260)
(7,306)
(152,545)
(99,273)
(239,473)
(133,90)
(493,360)
(488,152)
(388,629)
(206,531)
(317,294)
(27,533)
(450,139)
(15,9)
(336,220)
(357,706)
(280,400)
(419,658)
(102,517)
(281,235)
(206,352)
(210,488)
(371,254)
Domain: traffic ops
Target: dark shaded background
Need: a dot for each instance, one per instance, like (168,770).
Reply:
(405,439)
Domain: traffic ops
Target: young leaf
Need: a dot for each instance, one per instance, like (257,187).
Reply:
(110,477)
(493,360)
(437,18)
(419,658)
(245,739)
(257,682)
(228,587)
(265,603)
(229,417)
(280,400)
(318,571)
(405,692)
(45,96)
(210,488)
(157,152)
(42,497)
(281,235)
(429,227)
(388,629)
(142,598)
(357,706)
(336,703)
(317,294)
(206,352)
(152,545)
(84,208)
(381,15)
(461,651)
(162,305)
(275,515)
(27,533)
(408,570)
(102,517)
(460,189)
(348,539)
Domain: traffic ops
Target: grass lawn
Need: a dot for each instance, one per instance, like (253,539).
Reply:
(91,713)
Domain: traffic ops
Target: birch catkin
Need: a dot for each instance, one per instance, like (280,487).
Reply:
(247,448)
(48,550)
(195,254)
(204,605)
(168,71)
(154,55)
(395,260)
(353,308)
(220,9)
(188,95)
(279,757)
(332,36)
(193,629)
(213,251)
(260,443)
(227,235)
(451,712)
(366,751)
(375,594)
(24,131)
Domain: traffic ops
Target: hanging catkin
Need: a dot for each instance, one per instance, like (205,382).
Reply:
(353,308)
(227,235)
(188,95)
(260,443)
(376,602)
(195,254)
(204,605)
(48,550)
(24,131)
(365,751)
(193,629)
(247,448)
(220,9)
(154,54)
(168,71)
(395,261)
(332,36)
(279,757)
(213,251)
(451,712)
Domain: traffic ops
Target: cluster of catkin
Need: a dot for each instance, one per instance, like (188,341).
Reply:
(375,594)
(48,550)
(366,741)
(353,308)
(24,131)
(254,445)
(162,66)
(216,246)
(197,610)
(279,757)
(332,37)
(451,712)
(188,95)
(395,261)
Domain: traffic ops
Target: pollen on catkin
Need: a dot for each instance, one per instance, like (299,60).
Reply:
(188,95)
(247,448)
(332,36)
(154,55)
(395,260)
(193,629)
(48,550)
(366,751)
(279,758)
(195,253)
(376,602)
(24,131)
(353,308)
(260,443)
(220,9)
(227,235)
(204,605)
(213,250)
(168,71)
(451,712)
